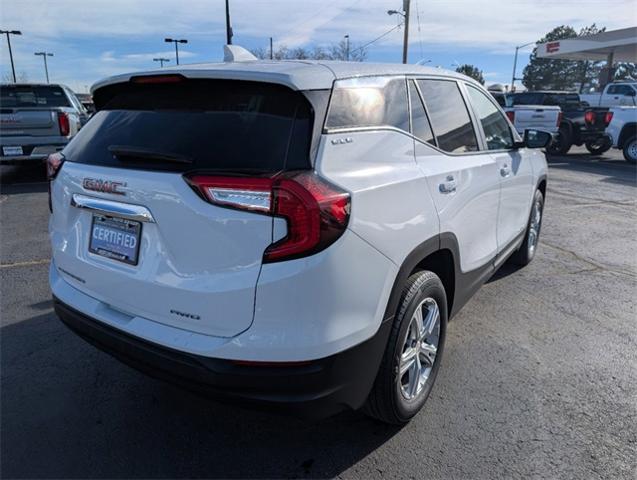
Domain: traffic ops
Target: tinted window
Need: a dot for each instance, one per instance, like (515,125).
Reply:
(496,128)
(18,96)
(612,89)
(449,116)
(623,89)
(369,102)
(527,99)
(213,124)
(420,126)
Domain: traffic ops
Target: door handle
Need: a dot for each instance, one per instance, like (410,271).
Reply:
(448,186)
(505,171)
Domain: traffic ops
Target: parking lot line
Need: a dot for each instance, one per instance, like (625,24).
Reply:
(28,263)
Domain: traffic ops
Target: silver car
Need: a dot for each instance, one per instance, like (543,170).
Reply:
(36,120)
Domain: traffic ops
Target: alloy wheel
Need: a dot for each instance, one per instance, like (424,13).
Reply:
(420,349)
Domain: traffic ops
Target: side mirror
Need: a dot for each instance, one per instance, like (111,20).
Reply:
(537,138)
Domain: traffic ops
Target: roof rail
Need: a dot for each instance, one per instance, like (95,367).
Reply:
(235,53)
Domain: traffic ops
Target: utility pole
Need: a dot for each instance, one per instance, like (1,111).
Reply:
(172,40)
(405,15)
(228,27)
(271,51)
(11,32)
(161,61)
(347,48)
(515,64)
(406,37)
(46,68)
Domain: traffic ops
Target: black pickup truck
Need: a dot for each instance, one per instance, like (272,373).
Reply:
(580,123)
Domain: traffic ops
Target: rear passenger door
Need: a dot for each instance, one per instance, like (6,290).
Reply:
(463,181)
(514,173)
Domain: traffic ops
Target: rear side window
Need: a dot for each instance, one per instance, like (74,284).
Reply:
(369,102)
(28,96)
(223,125)
(495,127)
(419,122)
(450,118)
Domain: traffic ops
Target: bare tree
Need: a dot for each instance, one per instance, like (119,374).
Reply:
(336,51)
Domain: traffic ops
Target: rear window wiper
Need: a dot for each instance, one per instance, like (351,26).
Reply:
(123,152)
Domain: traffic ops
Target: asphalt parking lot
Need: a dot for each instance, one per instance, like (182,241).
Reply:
(539,376)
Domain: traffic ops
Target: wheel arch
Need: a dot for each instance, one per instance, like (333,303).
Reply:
(438,255)
(541,186)
(628,131)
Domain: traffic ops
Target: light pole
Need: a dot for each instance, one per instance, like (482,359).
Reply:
(11,32)
(347,48)
(405,15)
(515,64)
(228,27)
(161,61)
(175,41)
(46,68)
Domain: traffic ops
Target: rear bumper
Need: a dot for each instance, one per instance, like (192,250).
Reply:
(312,389)
(32,152)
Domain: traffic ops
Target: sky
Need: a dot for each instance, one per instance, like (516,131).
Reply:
(93,39)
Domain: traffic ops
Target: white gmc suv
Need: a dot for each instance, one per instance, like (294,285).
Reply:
(289,233)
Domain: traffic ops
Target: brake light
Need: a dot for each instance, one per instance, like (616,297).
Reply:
(63,122)
(589,117)
(560,116)
(316,211)
(608,117)
(511,115)
(53,164)
(172,78)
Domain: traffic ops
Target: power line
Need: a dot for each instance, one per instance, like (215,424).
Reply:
(422,53)
(378,38)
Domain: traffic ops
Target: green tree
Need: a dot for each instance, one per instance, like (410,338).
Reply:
(471,71)
(552,74)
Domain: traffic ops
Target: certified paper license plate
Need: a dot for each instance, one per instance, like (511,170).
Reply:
(7,151)
(115,238)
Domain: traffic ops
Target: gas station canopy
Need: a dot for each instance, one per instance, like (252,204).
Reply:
(611,46)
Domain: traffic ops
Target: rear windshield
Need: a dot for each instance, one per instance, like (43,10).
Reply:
(191,125)
(17,96)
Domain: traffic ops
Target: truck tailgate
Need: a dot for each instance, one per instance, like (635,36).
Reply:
(29,122)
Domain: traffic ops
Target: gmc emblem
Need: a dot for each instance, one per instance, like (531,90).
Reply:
(104,186)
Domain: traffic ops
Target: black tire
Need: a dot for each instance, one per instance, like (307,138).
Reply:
(630,150)
(525,254)
(562,143)
(598,147)
(385,401)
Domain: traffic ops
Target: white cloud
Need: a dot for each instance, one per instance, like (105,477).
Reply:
(487,26)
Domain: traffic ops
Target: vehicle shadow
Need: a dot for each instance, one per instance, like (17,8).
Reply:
(614,171)
(69,410)
(30,178)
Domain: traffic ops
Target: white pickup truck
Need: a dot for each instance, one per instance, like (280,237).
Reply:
(623,131)
(535,117)
(614,94)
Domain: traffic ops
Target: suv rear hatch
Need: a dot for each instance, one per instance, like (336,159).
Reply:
(188,262)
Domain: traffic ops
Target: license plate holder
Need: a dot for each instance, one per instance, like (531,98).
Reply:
(115,238)
(12,151)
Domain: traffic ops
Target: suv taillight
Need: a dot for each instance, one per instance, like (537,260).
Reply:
(608,118)
(589,117)
(560,116)
(63,122)
(53,164)
(316,211)
(511,115)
